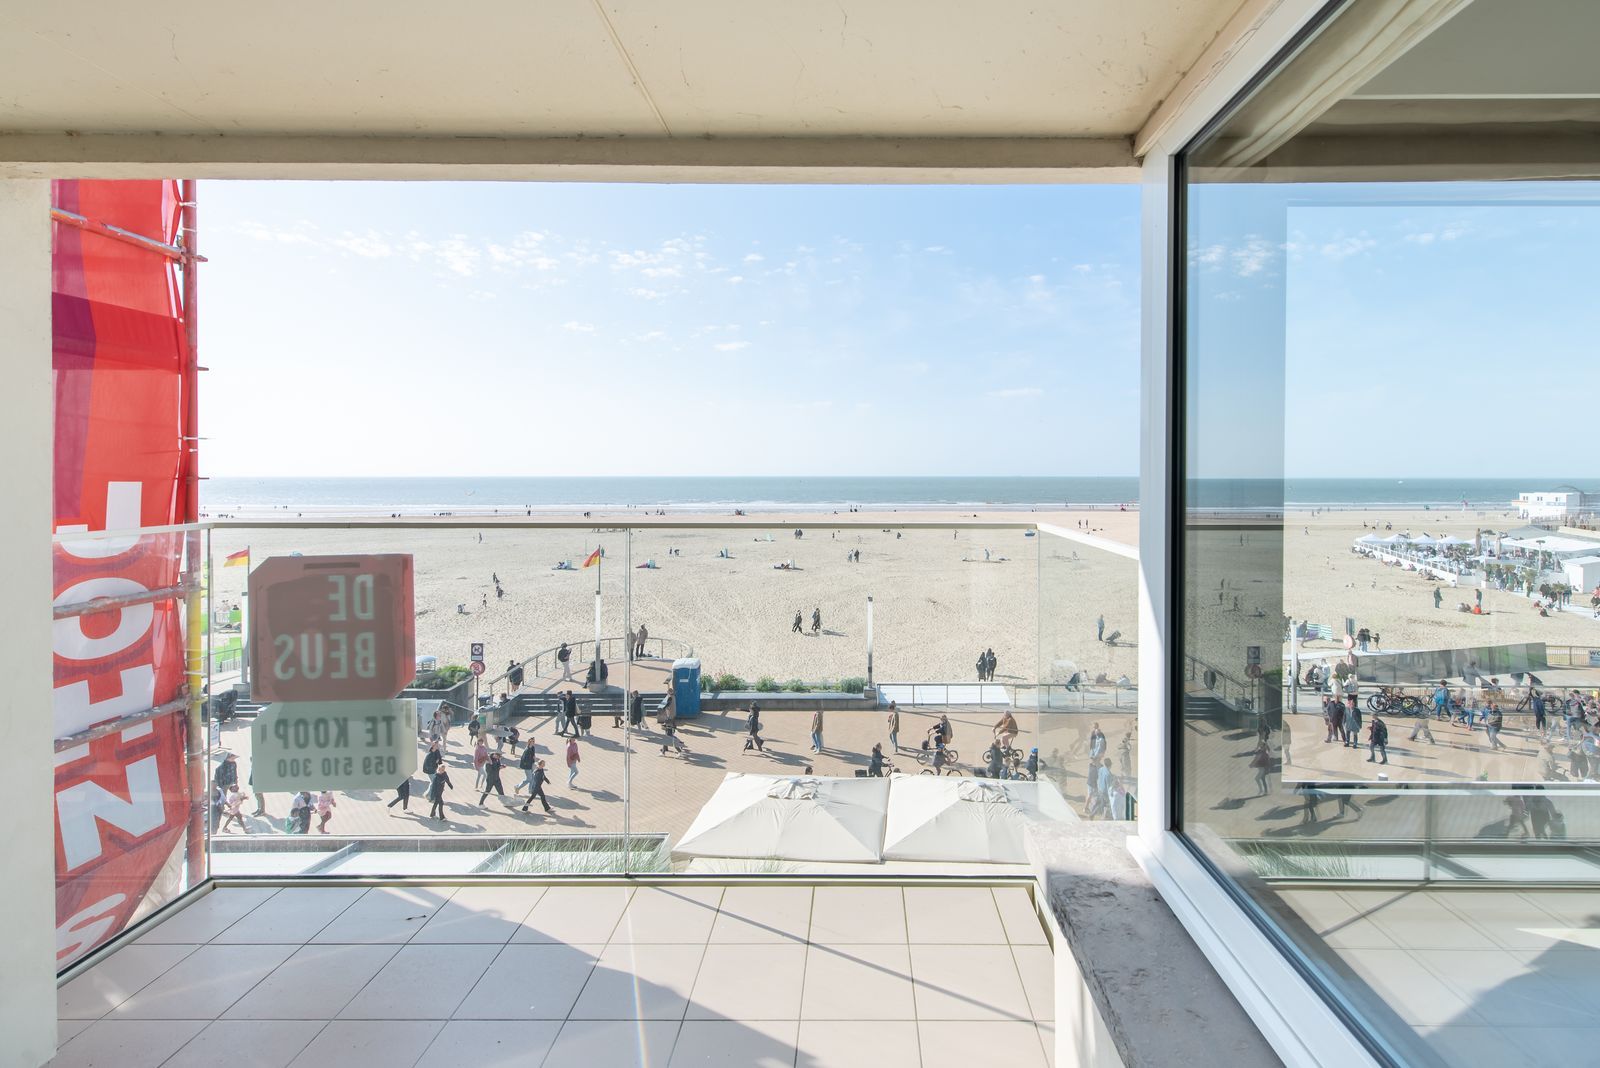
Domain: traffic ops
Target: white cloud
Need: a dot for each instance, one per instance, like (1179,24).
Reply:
(577,327)
(731,346)
(1345,247)
(662,272)
(1015,393)
(734,280)
(911,367)
(371,245)
(754,257)
(646,294)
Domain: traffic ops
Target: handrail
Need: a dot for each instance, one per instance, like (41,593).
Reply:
(683,649)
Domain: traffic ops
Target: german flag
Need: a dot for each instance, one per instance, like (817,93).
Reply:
(238,559)
(594,558)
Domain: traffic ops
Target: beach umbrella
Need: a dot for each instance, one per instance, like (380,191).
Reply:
(1451,541)
(966,820)
(790,818)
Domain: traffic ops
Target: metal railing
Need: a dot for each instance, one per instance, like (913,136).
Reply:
(581,653)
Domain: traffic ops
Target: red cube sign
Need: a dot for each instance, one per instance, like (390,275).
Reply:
(331,628)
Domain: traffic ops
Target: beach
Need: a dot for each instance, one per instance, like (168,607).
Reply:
(937,602)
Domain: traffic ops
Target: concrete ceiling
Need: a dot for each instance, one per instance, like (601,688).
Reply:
(596,69)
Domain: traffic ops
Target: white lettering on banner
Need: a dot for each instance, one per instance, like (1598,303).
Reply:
(88,927)
(75,710)
(73,643)
(345,592)
(124,505)
(81,806)
(315,654)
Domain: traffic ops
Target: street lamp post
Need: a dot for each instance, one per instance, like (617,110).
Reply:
(869,639)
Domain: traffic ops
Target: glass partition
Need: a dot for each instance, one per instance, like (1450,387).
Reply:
(1088,696)
(1386,741)
(131,798)
(868,655)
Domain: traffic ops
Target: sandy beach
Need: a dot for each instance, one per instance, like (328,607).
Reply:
(937,601)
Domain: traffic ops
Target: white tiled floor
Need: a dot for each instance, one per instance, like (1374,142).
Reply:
(1486,977)
(590,976)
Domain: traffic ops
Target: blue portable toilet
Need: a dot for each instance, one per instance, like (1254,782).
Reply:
(686,687)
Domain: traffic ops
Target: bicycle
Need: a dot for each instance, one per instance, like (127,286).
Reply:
(950,765)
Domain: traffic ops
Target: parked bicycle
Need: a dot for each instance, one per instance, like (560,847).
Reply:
(1391,701)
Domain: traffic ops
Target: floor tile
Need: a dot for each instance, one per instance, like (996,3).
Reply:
(314,984)
(492,1043)
(858,1044)
(1505,991)
(858,982)
(386,914)
(953,914)
(67,1030)
(293,915)
(749,982)
(763,914)
(385,1043)
(530,982)
(1047,1039)
(614,1044)
(421,983)
(1578,907)
(1358,933)
(851,914)
(115,979)
(114,1043)
(753,1044)
(481,914)
(965,1043)
(1320,909)
(205,983)
(967,983)
(643,982)
(210,916)
(578,915)
(247,1044)
(1465,1046)
(1416,994)
(1037,966)
(669,914)
(1019,917)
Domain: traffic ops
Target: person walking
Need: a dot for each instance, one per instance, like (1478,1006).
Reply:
(752,725)
(1261,763)
(569,705)
(894,726)
(536,787)
(635,710)
(1492,724)
(480,757)
(564,658)
(1377,740)
(402,796)
(799,623)
(816,622)
(816,731)
(573,758)
(436,788)
(983,666)
(231,808)
(1100,628)
(325,806)
(431,762)
(644,636)
(1422,727)
(491,778)
(633,642)
(1438,597)
(526,763)
(667,719)
(990,662)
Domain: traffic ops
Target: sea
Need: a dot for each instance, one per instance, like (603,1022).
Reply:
(505,495)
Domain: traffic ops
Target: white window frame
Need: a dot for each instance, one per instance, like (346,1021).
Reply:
(1299,1022)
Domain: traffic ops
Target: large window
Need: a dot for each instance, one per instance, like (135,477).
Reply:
(1390,597)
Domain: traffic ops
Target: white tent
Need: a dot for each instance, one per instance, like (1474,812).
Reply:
(958,819)
(789,818)
(1450,540)
(1423,539)
(1394,539)
(1369,539)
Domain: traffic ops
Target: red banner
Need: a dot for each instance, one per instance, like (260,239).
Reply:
(122,802)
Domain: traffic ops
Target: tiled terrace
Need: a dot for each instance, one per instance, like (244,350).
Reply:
(588,975)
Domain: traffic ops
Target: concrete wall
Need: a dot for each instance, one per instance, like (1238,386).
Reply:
(27,835)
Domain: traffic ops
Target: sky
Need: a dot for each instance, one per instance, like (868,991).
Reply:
(580,329)
(1394,330)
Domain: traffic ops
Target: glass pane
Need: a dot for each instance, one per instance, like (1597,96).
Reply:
(1388,501)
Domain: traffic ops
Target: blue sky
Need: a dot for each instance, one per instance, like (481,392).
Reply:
(544,329)
(1427,329)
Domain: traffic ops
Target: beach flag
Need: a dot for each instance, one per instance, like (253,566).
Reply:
(594,558)
(238,559)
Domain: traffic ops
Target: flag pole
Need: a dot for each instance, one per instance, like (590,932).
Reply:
(244,626)
(599,569)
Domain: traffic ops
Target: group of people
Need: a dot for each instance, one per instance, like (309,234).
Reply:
(799,622)
(986,665)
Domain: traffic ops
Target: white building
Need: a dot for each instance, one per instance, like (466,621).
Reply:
(1557,504)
